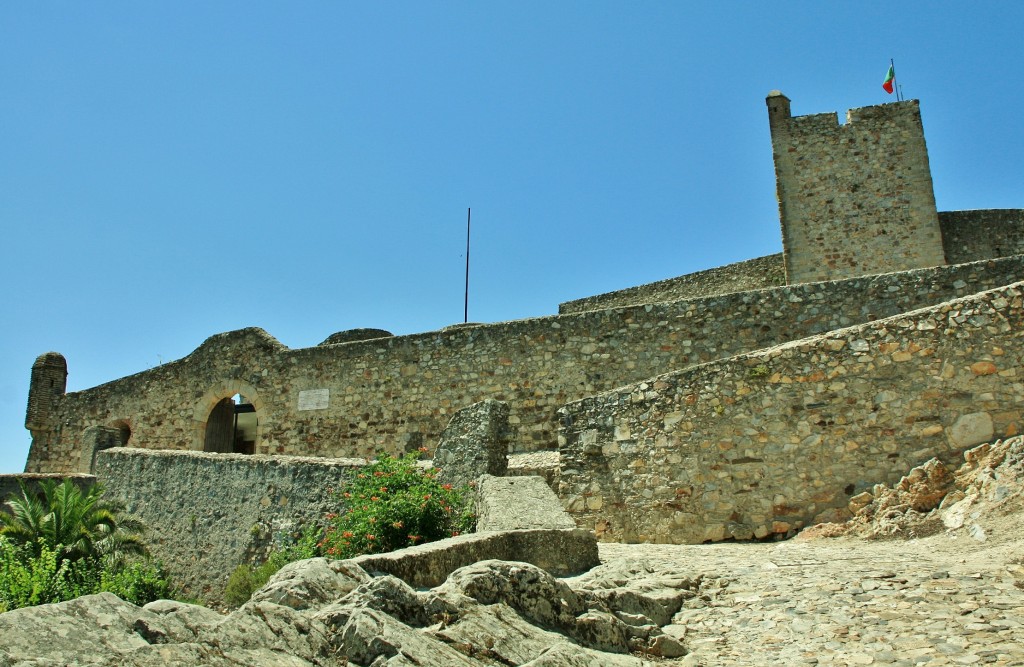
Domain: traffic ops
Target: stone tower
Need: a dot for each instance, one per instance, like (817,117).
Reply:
(48,383)
(854,199)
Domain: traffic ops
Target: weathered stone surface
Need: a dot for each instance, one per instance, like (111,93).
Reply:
(180,621)
(207,513)
(540,464)
(765,443)
(476,442)
(867,205)
(93,625)
(495,612)
(971,429)
(565,654)
(752,274)
(500,632)
(560,552)
(637,588)
(263,630)
(311,583)
(925,486)
(392,596)
(513,503)
(533,593)
(968,236)
(353,335)
(394,393)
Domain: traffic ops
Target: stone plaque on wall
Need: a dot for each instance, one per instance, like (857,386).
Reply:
(314,399)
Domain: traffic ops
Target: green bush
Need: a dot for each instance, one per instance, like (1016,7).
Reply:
(32,575)
(387,505)
(63,542)
(36,574)
(240,587)
(245,579)
(138,582)
(392,504)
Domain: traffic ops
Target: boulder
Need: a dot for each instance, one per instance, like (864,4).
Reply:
(311,583)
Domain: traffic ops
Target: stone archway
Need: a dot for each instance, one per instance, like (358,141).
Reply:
(229,418)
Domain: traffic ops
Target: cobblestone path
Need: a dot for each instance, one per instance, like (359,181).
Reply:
(933,601)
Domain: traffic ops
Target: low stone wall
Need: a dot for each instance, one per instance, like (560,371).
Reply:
(561,552)
(763,443)
(752,274)
(208,513)
(395,394)
(968,236)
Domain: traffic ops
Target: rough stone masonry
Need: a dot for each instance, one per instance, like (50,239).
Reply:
(758,419)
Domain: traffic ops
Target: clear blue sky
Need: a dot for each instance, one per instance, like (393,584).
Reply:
(173,170)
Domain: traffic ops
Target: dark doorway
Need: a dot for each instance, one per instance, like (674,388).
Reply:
(231,427)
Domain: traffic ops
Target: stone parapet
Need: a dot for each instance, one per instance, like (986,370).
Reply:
(475,442)
(562,553)
(969,236)
(752,274)
(518,502)
(208,513)
(761,444)
(362,398)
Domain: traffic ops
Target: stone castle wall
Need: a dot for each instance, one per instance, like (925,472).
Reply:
(854,199)
(395,394)
(761,444)
(207,513)
(752,274)
(968,236)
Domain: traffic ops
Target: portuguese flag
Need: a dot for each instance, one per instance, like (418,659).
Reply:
(890,76)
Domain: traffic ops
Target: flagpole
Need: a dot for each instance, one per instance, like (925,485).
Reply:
(893,66)
(465,312)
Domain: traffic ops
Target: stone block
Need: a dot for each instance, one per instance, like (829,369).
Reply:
(562,553)
(515,503)
(971,429)
(476,442)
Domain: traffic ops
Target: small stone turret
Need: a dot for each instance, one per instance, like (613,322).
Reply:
(778,110)
(49,381)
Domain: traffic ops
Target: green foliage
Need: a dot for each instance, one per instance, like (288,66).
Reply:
(64,543)
(385,506)
(392,504)
(138,582)
(240,587)
(760,371)
(36,574)
(245,579)
(76,524)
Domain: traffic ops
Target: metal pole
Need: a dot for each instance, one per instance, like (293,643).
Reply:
(897,85)
(465,312)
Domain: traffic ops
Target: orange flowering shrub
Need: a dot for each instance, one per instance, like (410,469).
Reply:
(392,504)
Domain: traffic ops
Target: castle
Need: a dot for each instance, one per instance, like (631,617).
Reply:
(740,402)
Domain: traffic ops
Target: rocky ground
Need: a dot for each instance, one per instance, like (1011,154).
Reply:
(930,572)
(894,586)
